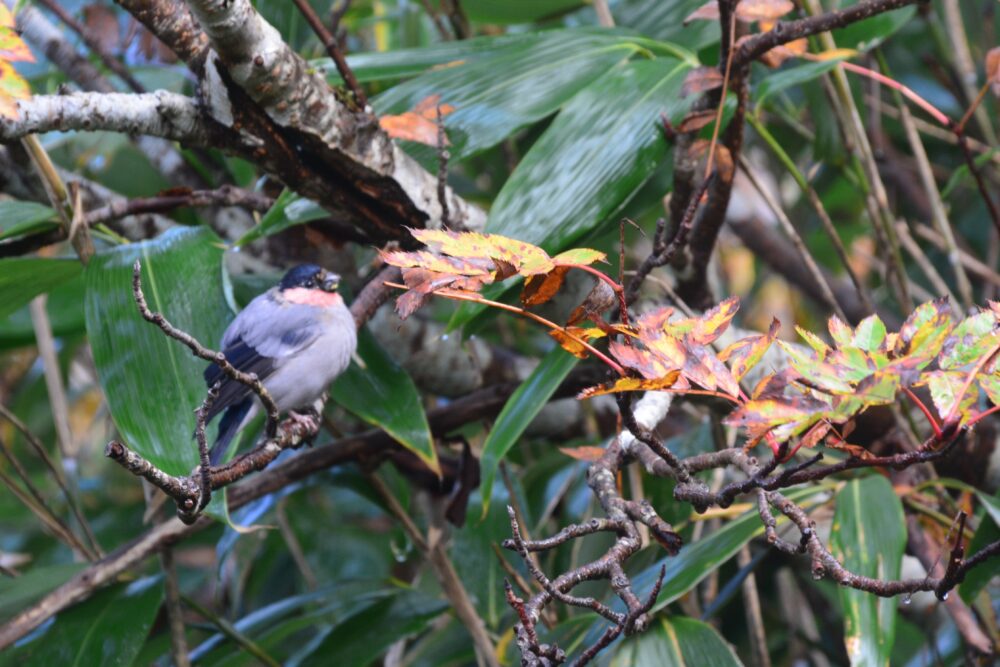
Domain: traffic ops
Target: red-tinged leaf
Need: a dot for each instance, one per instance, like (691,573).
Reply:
(744,354)
(12,88)
(654,320)
(771,386)
(974,338)
(419,124)
(707,12)
(840,332)
(815,434)
(990,385)
(945,387)
(856,451)
(763,10)
(817,373)
(925,330)
(813,341)
(579,256)
(423,282)
(718,372)
(668,380)
(774,412)
(529,259)
(714,321)
(870,334)
(571,339)
(993,69)
(695,120)
(541,287)
(647,363)
(429,261)
(879,388)
(854,364)
(668,348)
(588,453)
(13,48)
(410,302)
(700,79)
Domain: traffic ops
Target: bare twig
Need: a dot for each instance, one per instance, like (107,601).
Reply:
(333,49)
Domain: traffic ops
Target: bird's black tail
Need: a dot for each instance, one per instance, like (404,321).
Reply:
(229,425)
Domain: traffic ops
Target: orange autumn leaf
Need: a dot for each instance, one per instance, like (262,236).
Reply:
(700,79)
(571,339)
(420,123)
(668,380)
(540,288)
(763,10)
(588,453)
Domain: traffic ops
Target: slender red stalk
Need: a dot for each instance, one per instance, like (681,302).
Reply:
(469,296)
(908,93)
(923,408)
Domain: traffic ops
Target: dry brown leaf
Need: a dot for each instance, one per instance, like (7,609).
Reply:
(102,24)
(700,79)
(993,69)
(540,288)
(707,12)
(696,120)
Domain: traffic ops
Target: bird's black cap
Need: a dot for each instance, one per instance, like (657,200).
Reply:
(303,275)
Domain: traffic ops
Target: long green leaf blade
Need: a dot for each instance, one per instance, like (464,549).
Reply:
(523,405)
(153,384)
(869,536)
(383,394)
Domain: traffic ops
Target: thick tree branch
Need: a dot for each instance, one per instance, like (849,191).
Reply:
(159,114)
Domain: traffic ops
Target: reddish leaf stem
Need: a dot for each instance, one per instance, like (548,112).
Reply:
(469,296)
(908,93)
(923,408)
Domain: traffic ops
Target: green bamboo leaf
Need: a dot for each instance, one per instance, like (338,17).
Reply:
(523,405)
(18,218)
(64,305)
(869,536)
(676,641)
(288,209)
(19,592)
(366,635)
(153,384)
(383,394)
(107,629)
(505,12)
(988,519)
(699,559)
(873,31)
(665,20)
(789,77)
(604,144)
(24,278)
(513,87)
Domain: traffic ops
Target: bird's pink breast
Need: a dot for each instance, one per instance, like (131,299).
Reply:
(312,297)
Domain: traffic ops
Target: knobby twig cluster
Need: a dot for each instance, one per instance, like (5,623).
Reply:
(192,493)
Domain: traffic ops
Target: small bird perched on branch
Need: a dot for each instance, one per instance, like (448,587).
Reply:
(297,337)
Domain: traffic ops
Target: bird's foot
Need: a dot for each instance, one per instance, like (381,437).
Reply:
(307,419)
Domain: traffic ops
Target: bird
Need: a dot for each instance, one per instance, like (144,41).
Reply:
(297,337)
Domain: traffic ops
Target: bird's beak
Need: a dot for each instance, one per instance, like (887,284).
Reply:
(330,282)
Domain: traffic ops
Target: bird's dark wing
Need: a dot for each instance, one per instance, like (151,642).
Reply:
(257,341)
